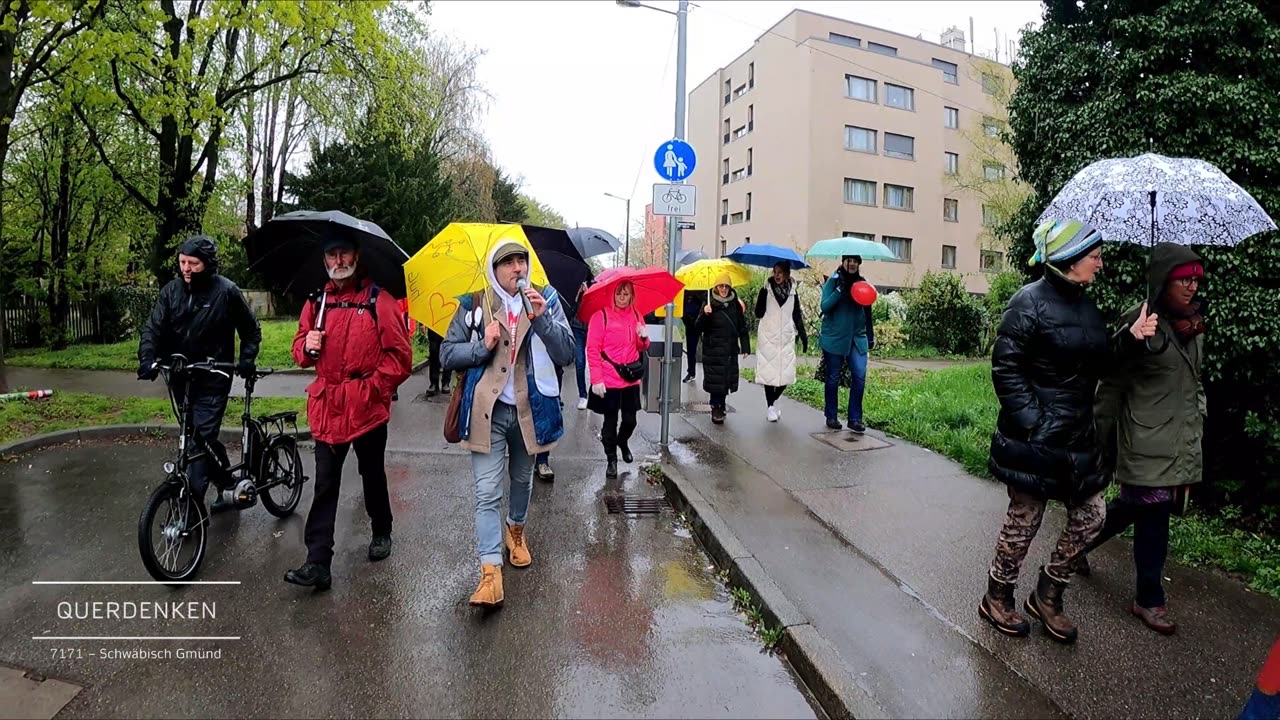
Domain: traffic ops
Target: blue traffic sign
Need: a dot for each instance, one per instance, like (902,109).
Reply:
(675,160)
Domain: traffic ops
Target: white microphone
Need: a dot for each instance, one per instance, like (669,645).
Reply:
(521,285)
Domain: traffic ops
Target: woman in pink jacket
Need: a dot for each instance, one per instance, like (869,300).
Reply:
(615,338)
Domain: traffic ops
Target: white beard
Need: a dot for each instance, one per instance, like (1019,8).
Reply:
(341,273)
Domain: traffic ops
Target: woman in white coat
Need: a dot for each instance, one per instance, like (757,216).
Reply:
(781,320)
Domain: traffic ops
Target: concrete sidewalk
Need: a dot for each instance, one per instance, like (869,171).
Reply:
(884,553)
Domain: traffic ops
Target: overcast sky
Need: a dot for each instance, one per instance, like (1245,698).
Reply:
(583,92)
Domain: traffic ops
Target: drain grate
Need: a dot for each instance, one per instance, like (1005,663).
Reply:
(635,504)
(850,442)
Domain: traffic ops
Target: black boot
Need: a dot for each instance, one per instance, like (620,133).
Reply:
(310,575)
(627,457)
(1081,566)
(999,608)
(1045,605)
(380,548)
(611,470)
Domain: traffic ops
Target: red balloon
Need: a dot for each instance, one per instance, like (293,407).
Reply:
(863,293)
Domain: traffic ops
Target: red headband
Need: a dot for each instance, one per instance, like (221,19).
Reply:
(1187,270)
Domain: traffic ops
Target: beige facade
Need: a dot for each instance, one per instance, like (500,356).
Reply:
(825,138)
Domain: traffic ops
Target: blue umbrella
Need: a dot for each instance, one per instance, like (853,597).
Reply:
(837,248)
(767,256)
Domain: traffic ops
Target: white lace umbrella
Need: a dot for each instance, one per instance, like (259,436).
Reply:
(1152,198)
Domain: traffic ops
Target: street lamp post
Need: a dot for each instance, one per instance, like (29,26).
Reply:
(673,223)
(626,230)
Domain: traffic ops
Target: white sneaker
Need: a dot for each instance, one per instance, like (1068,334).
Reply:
(773,414)
(582,403)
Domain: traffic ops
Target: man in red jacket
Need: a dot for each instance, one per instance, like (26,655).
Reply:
(361,354)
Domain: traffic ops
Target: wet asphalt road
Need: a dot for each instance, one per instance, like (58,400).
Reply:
(617,617)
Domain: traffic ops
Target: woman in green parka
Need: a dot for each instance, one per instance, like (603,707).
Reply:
(1150,419)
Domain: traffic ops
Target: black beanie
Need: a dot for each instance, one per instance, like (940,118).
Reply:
(203,248)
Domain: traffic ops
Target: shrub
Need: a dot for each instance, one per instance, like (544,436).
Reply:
(941,313)
(896,303)
(1003,286)
(890,336)
(124,310)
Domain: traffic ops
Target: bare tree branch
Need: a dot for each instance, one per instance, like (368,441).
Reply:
(132,189)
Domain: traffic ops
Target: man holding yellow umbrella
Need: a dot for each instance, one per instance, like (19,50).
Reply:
(505,338)
(722,326)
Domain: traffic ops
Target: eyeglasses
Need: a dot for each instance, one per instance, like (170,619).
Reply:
(1188,281)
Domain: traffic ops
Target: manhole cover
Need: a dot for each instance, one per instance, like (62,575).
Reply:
(635,504)
(851,442)
(699,407)
(31,695)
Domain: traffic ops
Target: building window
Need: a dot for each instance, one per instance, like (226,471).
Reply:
(728,91)
(990,216)
(949,257)
(950,73)
(991,84)
(739,174)
(876,47)
(899,197)
(724,212)
(858,235)
(860,139)
(899,246)
(859,192)
(993,172)
(724,247)
(742,90)
(951,210)
(735,218)
(848,40)
(953,163)
(751,75)
(751,118)
(750,161)
(952,118)
(990,127)
(726,131)
(897,96)
(992,261)
(748,209)
(724,176)
(740,133)
(860,88)
(899,146)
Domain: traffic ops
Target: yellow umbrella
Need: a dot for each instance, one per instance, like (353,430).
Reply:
(703,274)
(453,264)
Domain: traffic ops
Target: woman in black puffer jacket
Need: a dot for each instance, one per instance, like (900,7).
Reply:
(1050,352)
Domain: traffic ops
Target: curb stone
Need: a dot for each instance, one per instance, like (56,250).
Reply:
(109,432)
(812,657)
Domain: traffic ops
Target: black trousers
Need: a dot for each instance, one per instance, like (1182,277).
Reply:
(1150,544)
(208,406)
(434,371)
(691,347)
(616,434)
(773,392)
(371,451)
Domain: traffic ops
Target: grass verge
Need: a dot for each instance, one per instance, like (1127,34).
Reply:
(275,352)
(953,412)
(64,411)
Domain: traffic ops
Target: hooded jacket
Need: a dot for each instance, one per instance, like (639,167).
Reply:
(362,362)
(541,344)
(1051,349)
(614,332)
(723,334)
(200,321)
(1150,411)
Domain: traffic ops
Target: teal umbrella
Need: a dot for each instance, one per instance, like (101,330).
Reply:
(836,248)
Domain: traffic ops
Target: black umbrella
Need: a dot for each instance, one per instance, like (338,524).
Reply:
(566,270)
(592,242)
(288,251)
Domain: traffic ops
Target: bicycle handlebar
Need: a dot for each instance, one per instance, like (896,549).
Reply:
(178,363)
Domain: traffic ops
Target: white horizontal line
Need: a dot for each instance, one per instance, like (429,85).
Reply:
(134,582)
(136,637)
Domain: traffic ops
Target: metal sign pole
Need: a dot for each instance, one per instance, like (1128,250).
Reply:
(673,225)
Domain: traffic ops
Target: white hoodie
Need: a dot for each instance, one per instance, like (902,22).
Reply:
(543,368)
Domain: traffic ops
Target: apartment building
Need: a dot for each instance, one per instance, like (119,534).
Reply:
(827,128)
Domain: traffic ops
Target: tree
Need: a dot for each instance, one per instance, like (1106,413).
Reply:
(180,72)
(1192,78)
(506,199)
(539,214)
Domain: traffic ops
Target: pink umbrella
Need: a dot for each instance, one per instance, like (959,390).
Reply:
(654,287)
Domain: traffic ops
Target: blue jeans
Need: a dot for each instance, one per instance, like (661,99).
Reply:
(580,360)
(489,470)
(835,368)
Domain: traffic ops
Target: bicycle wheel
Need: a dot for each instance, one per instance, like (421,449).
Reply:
(173,533)
(281,464)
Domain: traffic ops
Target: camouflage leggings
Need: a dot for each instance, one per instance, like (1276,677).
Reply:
(1023,522)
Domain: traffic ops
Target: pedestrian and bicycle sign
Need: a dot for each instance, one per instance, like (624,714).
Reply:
(675,160)
(673,200)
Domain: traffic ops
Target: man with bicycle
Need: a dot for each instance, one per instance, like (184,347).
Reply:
(198,316)
(360,349)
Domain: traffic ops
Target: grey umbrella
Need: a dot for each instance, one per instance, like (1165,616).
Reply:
(689,256)
(592,242)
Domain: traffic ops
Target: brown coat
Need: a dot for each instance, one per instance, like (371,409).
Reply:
(490,387)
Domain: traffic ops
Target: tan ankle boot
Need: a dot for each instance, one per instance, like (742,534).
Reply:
(517,549)
(1045,605)
(490,591)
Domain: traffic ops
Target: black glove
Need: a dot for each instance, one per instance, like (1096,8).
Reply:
(147,370)
(245,369)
